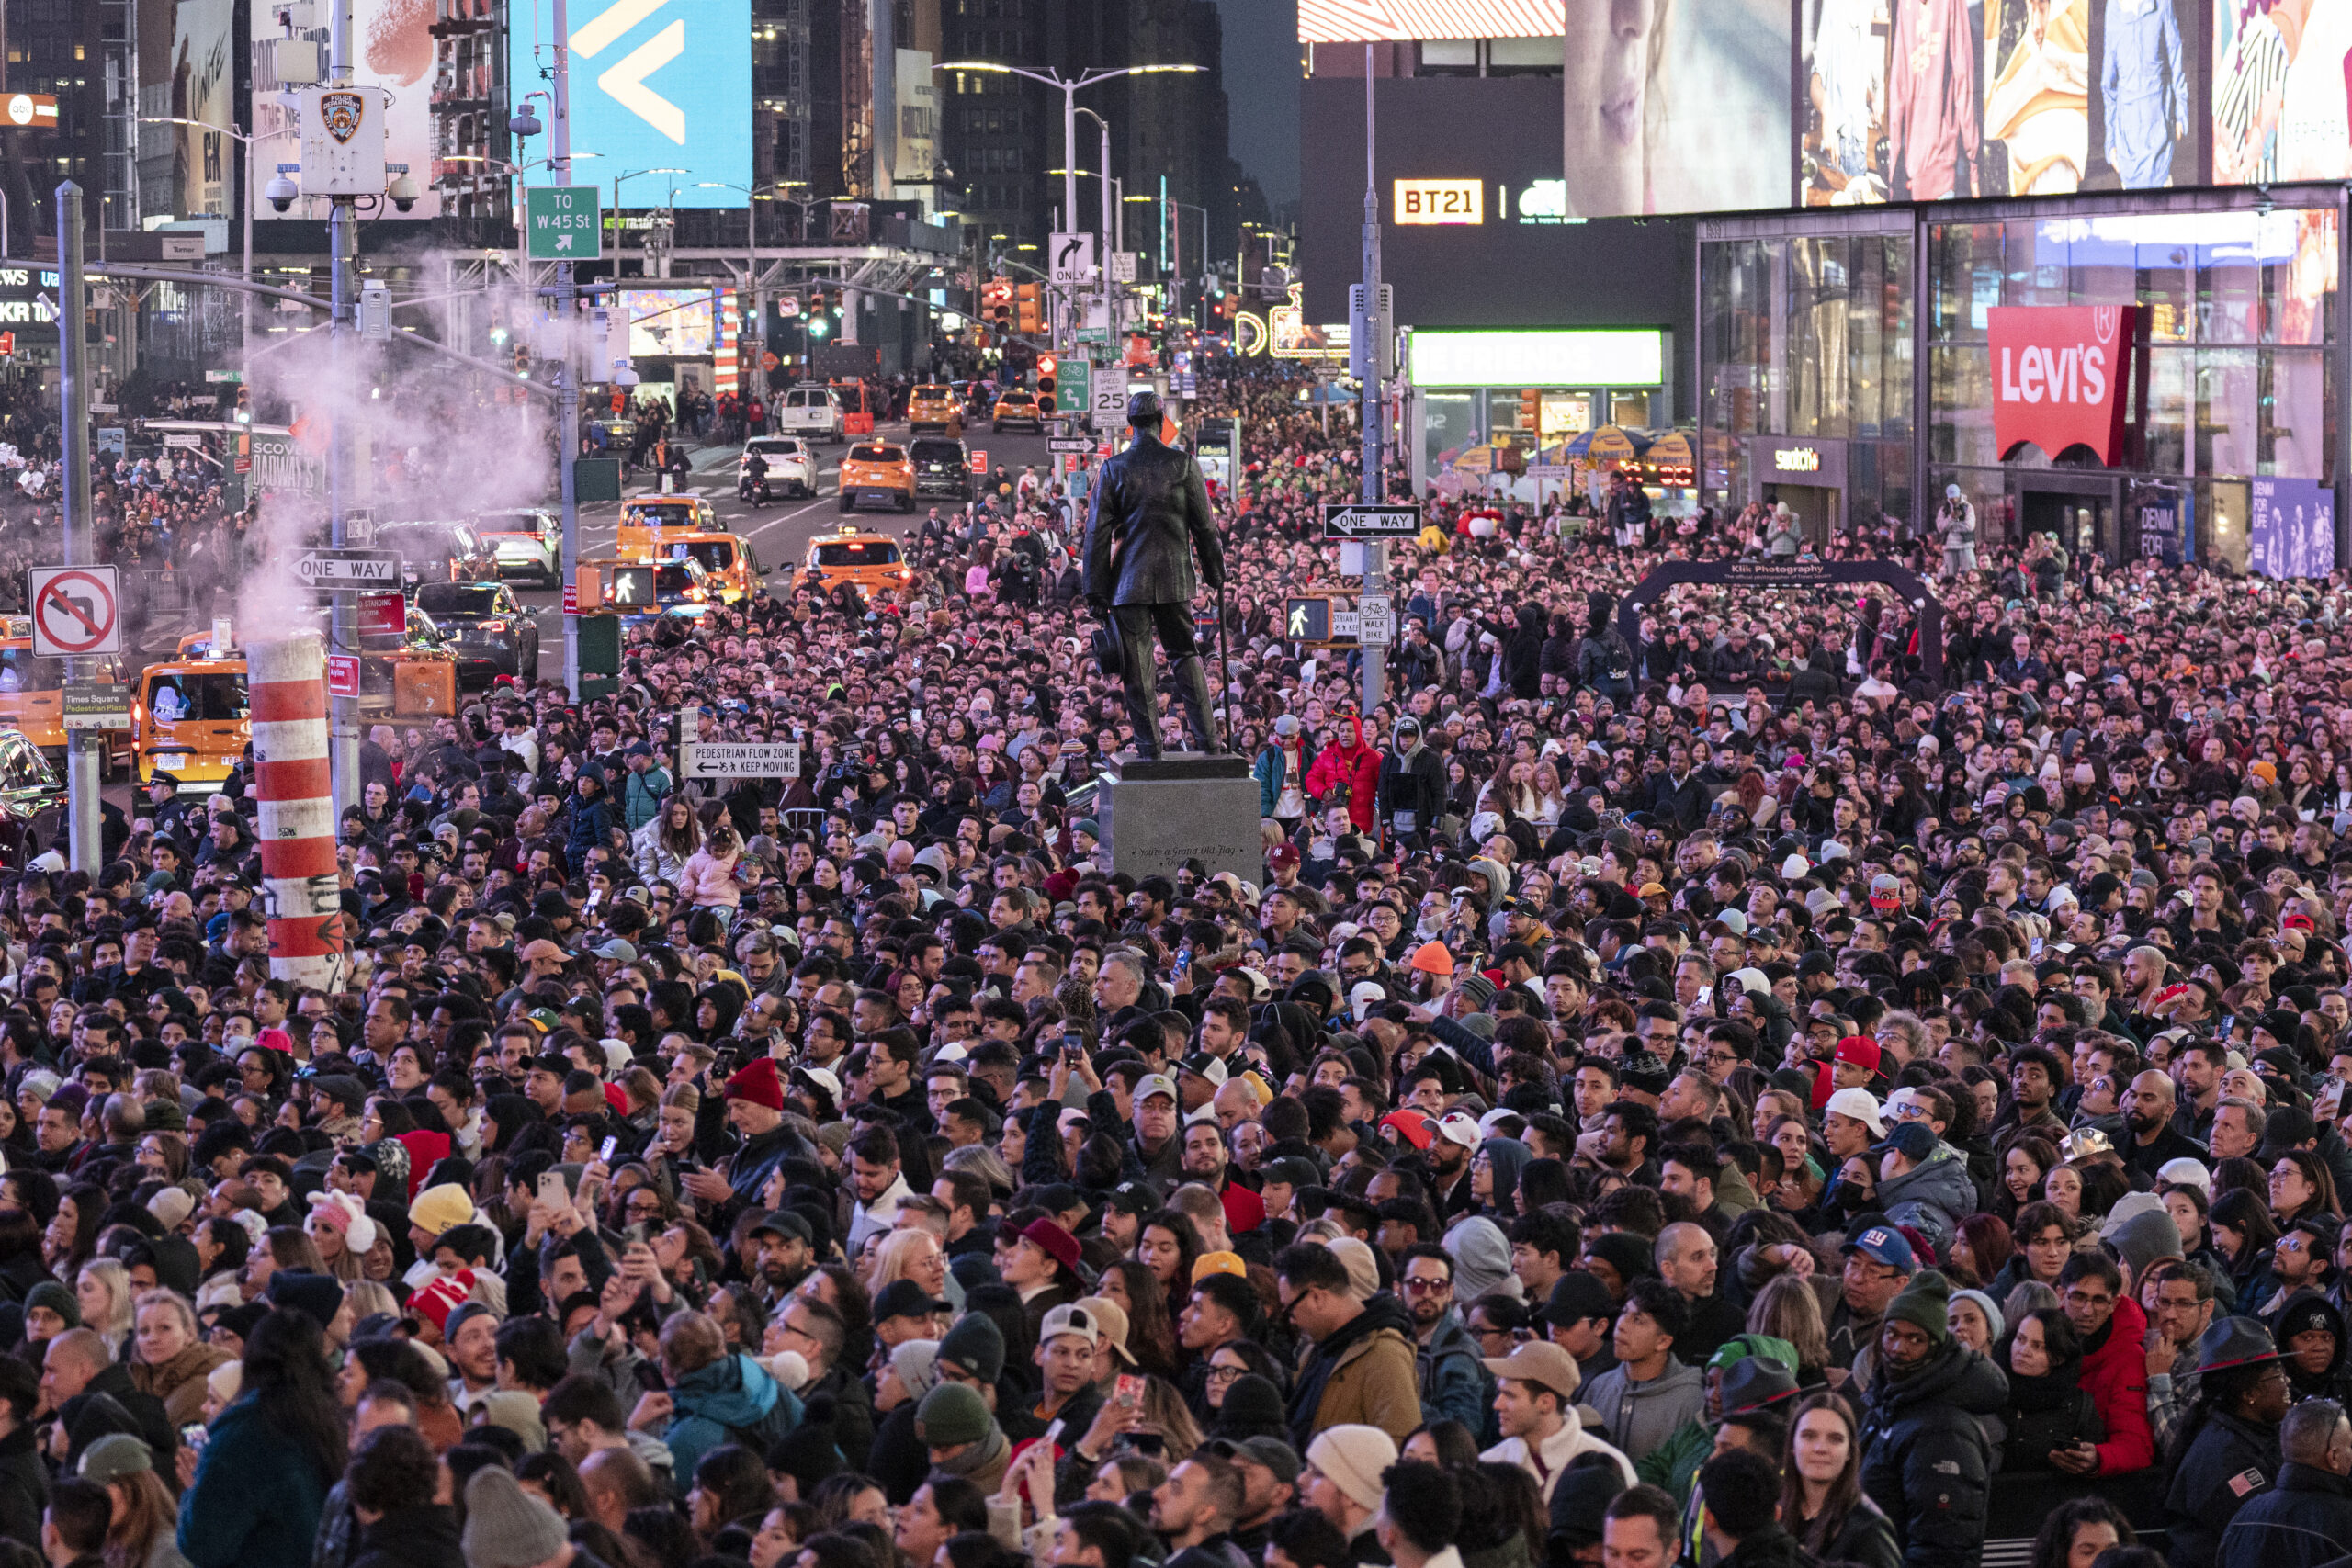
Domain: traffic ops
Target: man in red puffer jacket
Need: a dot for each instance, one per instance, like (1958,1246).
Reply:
(1351,765)
(2115,1366)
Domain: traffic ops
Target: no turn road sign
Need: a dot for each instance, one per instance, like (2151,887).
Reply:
(76,611)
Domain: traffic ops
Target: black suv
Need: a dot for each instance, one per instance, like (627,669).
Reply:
(942,467)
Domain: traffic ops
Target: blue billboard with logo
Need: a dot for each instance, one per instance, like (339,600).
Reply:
(656,84)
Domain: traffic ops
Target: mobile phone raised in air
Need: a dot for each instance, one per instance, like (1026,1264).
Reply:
(552,1190)
(612,1147)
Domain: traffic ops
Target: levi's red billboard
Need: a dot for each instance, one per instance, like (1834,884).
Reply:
(2058,376)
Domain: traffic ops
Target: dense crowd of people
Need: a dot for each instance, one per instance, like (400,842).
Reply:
(1718,1095)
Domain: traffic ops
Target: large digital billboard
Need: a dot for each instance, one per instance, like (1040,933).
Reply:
(655,84)
(1477,226)
(2280,70)
(1732,106)
(2039,97)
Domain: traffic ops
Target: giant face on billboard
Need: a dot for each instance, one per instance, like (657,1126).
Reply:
(655,84)
(1676,106)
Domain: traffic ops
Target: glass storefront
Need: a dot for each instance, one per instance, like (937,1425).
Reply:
(1807,335)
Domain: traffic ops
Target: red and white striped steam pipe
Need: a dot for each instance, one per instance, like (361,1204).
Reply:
(302,888)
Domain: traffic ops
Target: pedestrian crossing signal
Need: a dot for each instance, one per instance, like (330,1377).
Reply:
(1306,620)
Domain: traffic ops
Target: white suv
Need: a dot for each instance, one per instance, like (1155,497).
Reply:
(812,411)
(792,467)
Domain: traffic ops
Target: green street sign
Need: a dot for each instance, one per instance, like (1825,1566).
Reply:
(562,223)
(1074,387)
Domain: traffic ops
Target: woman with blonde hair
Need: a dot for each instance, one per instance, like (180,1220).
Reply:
(102,1290)
(169,1357)
(914,1254)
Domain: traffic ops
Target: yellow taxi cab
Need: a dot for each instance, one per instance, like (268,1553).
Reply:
(934,408)
(1016,405)
(850,554)
(877,471)
(33,694)
(690,513)
(731,570)
(193,716)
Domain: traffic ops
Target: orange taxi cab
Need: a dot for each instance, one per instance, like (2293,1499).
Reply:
(877,471)
(935,409)
(850,554)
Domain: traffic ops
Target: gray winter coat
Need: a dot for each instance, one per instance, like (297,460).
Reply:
(1637,1416)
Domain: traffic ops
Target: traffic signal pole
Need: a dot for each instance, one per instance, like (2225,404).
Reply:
(566,403)
(83,747)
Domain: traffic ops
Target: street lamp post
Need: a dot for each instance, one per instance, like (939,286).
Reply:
(1068,87)
(751,275)
(245,302)
(617,179)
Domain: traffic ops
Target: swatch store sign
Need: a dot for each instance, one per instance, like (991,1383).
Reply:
(2059,374)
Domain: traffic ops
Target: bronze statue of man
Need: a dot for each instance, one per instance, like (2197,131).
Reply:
(1151,513)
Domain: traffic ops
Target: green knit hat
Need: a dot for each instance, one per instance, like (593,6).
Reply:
(56,1298)
(952,1413)
(1926,1304)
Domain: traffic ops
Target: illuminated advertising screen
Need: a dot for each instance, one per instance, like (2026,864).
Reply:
(655,84)
(2041,97)
(669,322)
(2277,70)
(1688,112)
(1570,357)
(1477,226)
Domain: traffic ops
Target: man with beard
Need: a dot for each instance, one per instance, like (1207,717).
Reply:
(1362,1370)
(1194,1510)
(1448,1157)
(2153,1143)
(1926,1460)
(1453,1386)
(783,1249)
(1268,1468)
(1206,1161)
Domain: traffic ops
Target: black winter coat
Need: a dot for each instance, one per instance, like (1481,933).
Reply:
(2302,1522)
(2061,1418)
(1926,1459)
(1151,512)
(2232,1461)
(423,1537)
(24,1485)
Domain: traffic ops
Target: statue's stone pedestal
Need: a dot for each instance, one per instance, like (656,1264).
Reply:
(1186,806)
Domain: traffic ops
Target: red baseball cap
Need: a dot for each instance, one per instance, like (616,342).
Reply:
(1415,1127)
(1861,1050)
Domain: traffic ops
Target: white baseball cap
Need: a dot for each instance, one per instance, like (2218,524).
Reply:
(1862,1105)
(1460,1127)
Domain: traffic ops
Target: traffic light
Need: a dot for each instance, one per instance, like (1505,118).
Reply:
(1045,367)
(244,415)
(1031,312)
(522,361)
(1531,408)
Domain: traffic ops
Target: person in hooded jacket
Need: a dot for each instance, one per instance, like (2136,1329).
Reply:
(2310,1332)
(1412,782)
(1359,1367)
(2048,1413)
(1926,1457)
(1923,1182)
(716,1396)
(591,815)
(1604,659)
(1350,766)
